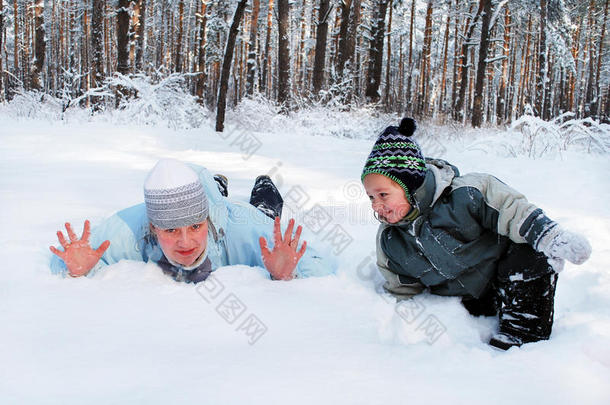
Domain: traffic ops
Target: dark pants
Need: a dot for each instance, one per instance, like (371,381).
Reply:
(522,294)
(264,196)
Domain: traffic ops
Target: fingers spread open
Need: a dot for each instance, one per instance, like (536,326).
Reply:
(57,252)
(102,249)
(71,233)
(86,231)
(264,250)
(295,242)
(277,231)
(302,251)
(62,239)
(288,233)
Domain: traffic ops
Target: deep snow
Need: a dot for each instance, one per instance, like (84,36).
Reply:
(132,335)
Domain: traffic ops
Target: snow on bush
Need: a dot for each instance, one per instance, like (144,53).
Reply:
(540,138)
(261,115)
(161,102)
(164,102)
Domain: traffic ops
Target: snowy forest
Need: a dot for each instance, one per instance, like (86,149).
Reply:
(94,93)
(475,61)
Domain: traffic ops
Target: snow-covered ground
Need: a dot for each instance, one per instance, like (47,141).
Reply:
(132,335)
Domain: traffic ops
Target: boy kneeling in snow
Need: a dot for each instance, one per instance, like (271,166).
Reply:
(189,228)
(470,236)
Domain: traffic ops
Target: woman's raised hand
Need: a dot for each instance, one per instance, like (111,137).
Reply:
(78,255)
(283,259)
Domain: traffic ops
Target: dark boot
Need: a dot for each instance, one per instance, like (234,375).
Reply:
(223,184)
(526,293)
(266,197)
(485,305)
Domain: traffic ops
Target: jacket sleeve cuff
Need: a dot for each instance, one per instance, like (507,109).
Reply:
(536,226)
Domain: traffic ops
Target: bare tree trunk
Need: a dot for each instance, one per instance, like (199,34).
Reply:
(350,51)
(441,102)
(321,39)
(266,61)
(589,95)
(595,106)
(140,34)
(376,52)
(503,93)
(424,77)
(388,60)
(226,65)
(458,113)
(123,37)
(343,57)
(409,106)
(201,77)
(283,57)
(542,74)
(178,59)
(256,4)
(97,44)
(17,34)
(40,44)
(477,113)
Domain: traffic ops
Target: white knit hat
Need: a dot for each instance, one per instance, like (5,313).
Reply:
(174,195)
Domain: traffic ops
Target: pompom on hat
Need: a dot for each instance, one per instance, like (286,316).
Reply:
(174,195)
(398,157)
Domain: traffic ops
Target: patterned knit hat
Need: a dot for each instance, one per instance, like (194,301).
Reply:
(174,195)
(397,157)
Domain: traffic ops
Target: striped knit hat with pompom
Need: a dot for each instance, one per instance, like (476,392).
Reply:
(397,157)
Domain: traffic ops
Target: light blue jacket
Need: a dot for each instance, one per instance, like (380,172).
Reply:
(233,233)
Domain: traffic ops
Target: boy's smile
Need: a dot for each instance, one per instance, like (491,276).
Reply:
(388,199)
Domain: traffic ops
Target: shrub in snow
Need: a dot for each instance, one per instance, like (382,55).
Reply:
(156,102)
(540,138)
(258,114)
(145,102)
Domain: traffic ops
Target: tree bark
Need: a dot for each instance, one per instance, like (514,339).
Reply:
(388,60)
(502,91)
(283,57)
(201,76)
(321,39)
(441,102)
(409,106)
(477,113)
(226,65)
(595,106)
(376,53)
(266,60)
(343,57)
(256,4)
(542,73)
(424,77)
(40,44)
(123,36)
(140,34)
(178,59)
(458,113)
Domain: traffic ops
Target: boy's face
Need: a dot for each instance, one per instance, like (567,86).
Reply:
(183,245)
(387,197)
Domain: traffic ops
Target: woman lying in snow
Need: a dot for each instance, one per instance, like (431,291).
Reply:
(189,228)
(470,236)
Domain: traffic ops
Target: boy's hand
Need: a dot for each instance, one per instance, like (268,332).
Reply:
(78,255)
(283,259)
(560,244)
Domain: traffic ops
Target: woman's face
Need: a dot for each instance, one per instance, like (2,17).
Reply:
(387,197)
(183,245)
